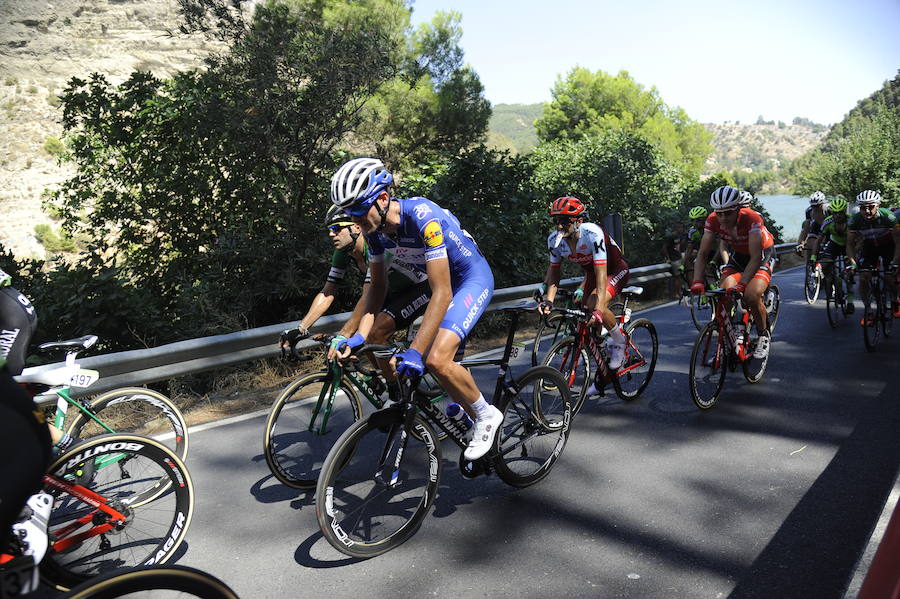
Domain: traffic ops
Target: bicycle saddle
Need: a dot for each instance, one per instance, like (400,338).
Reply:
(81,342)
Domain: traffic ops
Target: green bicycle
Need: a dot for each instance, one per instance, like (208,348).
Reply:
(315,409)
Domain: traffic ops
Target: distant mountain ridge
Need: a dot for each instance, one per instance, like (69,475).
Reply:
(737,146)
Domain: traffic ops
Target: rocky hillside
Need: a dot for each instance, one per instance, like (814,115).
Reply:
(761,146)
(42,45)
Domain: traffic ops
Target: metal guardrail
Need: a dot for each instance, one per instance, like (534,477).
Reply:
(142,366)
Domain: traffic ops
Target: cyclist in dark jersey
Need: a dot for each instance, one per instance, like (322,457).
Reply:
(874,234)
(815,213)
(749,269)
(407,297)
(24,436)
(605,269)
(430,238)
(829,241)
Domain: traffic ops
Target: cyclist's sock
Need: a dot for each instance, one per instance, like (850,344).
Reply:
(481,406)
(617,336)
(65,443)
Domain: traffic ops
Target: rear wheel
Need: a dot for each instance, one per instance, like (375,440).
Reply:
(365,509)
(535,426)
(709,363)
(870,323)
(772,303)
(575,367)
(86,541)
(297,437)
(640,360)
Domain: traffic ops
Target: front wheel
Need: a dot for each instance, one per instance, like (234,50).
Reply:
(115,470)
(870,323)
(364,504)
(575,367)
(640,360)
(835,302)
(551,327)
(701,310)
(709,363)
(536,411)
(134,411)
(189,582)
(304,423)
(811,282)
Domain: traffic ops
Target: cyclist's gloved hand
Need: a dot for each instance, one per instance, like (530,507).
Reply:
(351,343)
(799,249)
(578,296)
(740,288)
(409,363)
(698,288)
(850,267)
(292,336)
(544,307)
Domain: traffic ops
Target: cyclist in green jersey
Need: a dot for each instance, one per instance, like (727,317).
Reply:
(407,296)
(829,240)
(874,234)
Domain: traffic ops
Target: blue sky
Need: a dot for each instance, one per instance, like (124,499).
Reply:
(719,60)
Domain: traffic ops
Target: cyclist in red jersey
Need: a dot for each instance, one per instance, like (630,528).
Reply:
(605,269)
(749,270)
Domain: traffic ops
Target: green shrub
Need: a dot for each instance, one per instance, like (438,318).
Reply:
(52,241)
(54,147)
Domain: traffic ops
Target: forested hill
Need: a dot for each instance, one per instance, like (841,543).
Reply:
(761,146)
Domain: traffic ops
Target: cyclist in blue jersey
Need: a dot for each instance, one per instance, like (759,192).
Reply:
(431,239)
(815,213)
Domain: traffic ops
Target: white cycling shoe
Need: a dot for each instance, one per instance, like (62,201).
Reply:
(483,434)
(616,354)
(762,347)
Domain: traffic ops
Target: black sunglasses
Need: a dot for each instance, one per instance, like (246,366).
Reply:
(564,220)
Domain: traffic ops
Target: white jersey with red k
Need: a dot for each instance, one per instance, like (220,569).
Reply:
(594,247)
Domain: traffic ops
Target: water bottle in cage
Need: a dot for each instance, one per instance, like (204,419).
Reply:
(457,414)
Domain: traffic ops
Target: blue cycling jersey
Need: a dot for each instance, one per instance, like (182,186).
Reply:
(428,232)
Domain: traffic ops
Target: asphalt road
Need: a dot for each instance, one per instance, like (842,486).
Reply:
(772,493)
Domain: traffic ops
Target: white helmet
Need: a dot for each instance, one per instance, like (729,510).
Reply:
(868,197)
(817,198)
(359,181)
(746,198)
(725,197)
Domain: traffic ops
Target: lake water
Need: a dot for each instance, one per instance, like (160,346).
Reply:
(787,211)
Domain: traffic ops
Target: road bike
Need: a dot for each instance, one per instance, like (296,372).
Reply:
(721,346)
(132,410)
(560,324)
(581,357)
(837,284)
(877,314)
(307,418)
(381,477)
(118,501)
(150,582)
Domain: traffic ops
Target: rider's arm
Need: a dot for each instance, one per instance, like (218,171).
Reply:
(441,293)
(320,305)
(852,240)
(804,230)
(352,324)
(374,298)
(706,243)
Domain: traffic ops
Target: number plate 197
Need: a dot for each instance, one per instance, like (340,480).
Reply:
(84,378)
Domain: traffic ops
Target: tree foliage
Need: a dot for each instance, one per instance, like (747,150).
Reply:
(587,104)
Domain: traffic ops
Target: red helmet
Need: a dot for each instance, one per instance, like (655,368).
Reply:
(567,206)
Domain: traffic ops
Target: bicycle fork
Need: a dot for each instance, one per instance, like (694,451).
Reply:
(404,427)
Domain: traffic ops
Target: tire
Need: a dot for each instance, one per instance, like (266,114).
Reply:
(535,426)
(709,363)
(134,411)
(151,533)
(640,360)
(887,312)
(295,453)
(773,306)
(576,371)
(701,310)
(362,517)
(871,312)
(550,326)
(811,283)
(189,582)
(835,302)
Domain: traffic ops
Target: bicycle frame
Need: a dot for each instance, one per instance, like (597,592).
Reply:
(66,537)
(727,329)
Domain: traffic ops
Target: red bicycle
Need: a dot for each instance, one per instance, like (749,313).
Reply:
(721,346)
(581,358)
